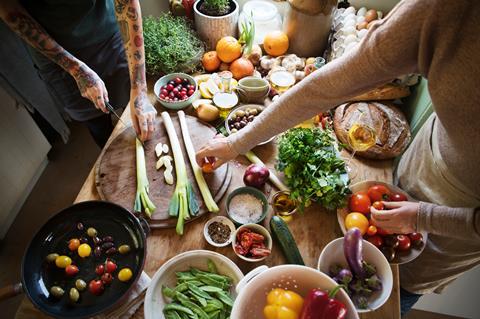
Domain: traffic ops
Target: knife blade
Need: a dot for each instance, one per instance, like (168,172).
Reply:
(111,109)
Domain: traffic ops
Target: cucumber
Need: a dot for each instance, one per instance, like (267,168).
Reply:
(284,237)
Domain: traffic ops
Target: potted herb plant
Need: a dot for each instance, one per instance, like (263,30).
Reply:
(215,19)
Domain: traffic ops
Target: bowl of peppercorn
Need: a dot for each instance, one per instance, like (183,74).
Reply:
(219,231)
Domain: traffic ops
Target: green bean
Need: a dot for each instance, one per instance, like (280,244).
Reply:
(177,307)
(210,289)
(211,282)
(181,288)
(197,291)
(225,298)
(171,315)
(168,292)
(202,301)
(215,303)
(214,315)
(191,306)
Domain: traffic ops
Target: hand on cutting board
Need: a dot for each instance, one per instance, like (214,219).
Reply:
(143,114)
(400,218)
(219,148)
(91,86)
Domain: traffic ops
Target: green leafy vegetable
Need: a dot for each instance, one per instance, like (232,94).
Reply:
(312,167)
(171,45)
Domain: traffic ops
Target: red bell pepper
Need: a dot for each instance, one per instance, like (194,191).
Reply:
(320,305)
(188,5)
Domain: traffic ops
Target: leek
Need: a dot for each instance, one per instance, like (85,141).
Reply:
(183,202)
(141,199)
(197,171)
(273,178)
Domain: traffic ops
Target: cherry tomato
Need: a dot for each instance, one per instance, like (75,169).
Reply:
(403,242)
(110,266)
(73,244)
(397,197)
(63,261)
(71,270)
(107,278)
(100,269)
(376,240)
(378,193)
(372,230)
(360,202)
(378,205)
(84,250)
(125,274)
(416,239)
(163,91)
(357,220)
(96,287)
(382,232)
(207,166)
(175,91)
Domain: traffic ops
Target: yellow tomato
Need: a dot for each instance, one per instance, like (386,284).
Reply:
(125,274)
(63,261)
(357,220)
(84,250)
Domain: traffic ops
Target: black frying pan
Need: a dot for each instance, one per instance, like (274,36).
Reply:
(38,276)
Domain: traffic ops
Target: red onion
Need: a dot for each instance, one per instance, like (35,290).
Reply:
(256,175)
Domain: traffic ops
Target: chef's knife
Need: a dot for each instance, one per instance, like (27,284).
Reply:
(111,109)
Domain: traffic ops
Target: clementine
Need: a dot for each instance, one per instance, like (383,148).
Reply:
(275,43)
(210,61)
(228,49)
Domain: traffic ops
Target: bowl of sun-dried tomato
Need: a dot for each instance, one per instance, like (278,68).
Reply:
(252,242)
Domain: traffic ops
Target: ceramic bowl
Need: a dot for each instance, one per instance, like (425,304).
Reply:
(333,254)
(165,276)
(259,230)
(179,104)
(252,89)
(243,108)
(221,219)
(254,287)
(251,191)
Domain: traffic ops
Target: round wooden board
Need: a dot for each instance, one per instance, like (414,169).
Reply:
(115,173)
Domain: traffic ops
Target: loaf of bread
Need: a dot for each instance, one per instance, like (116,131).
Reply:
(389,123)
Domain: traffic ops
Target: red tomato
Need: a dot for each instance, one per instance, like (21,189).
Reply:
(403,242)
(376,240)
(71,270)
(378,193)
(378,205)
(416,239)
(372,230)
(96,287)
(207,166)
(360,202)
(397,197)
(107,278)
(382,232)
(100,269)
(110,266)
(73,244)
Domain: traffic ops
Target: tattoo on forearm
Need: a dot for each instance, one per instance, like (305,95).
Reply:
(124,31)
(132,13)
(136,27)
(138,40)
(120,5)
(85,80)
(137,55)
(138,75)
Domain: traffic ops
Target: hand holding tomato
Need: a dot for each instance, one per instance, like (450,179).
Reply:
(400,218)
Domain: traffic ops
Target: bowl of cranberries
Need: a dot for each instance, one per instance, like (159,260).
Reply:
(176,90)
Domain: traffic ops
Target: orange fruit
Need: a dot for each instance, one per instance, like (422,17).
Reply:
(228,49)
(241,68)
(275,43)
(210,61)
(357,220)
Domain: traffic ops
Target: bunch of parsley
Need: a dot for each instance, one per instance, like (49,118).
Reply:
(171,45)
(312,168)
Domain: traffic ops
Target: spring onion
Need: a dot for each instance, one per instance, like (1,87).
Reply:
(272,177)
(183,202)
(197,171)
(141,199)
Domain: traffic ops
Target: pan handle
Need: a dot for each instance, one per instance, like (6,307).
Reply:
(143,223)
(10,291)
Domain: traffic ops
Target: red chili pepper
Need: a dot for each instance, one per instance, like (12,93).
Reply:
(321,305)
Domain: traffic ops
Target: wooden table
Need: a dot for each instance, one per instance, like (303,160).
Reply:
(312,230)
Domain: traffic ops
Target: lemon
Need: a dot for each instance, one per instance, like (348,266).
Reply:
(204,91)
(212,86)
(202,78)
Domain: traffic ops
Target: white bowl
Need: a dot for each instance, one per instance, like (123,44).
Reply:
(154,300)
(259,230)
(253,289)
(333,254)
(243,108)
(221,219)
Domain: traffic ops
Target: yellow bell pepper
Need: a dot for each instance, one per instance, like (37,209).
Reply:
(283,304)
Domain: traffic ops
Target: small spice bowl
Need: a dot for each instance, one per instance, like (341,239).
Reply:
(276,197)
(256,229)
(252,192)
(220,219)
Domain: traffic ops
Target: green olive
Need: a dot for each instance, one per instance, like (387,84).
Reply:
(92,232)
(124,249)
(74,294)
(240,113)
(51,257)
(254,112)
(80,284)
(57,292)
(233,130)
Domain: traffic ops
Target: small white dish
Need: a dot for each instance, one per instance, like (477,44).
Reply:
(259,230)
(221,219)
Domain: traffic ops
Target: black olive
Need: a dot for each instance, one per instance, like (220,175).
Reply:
(244,118)
(97,240)
(83,240)
(238,126)
(80,226)
(111,251)
(97,251)
(107,238)
(107,245)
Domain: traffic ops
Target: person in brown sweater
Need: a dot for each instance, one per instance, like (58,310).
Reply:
(439,40)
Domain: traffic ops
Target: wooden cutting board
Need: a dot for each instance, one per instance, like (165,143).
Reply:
(115,173)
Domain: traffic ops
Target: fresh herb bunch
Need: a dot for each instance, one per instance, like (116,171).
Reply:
(171,45)
(216,7)
(309,159)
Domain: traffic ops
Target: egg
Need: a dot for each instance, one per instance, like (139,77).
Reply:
(348,30)
(348,11)
(361,12)
(349,23)
(362,25)
(361,33)
(351,46)
(360,19)
(349,39)
(371,15)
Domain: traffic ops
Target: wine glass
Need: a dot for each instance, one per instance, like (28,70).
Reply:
(360,138)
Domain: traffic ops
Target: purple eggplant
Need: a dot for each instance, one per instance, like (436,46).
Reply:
(344,277)
(352,248)
(334,270)
(369,269)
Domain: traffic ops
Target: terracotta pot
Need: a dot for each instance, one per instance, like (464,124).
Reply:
(213,28)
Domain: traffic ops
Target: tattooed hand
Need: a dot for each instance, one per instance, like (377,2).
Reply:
(91,86)
(143,114)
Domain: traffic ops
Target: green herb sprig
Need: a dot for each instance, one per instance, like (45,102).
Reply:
(220,7)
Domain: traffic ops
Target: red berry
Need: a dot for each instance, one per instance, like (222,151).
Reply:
(178,80)
(170,87)
(164,91)
(162,96)
(175,91)
(190,92)
(100,269)
(71,270)
(107,278)
(171,95)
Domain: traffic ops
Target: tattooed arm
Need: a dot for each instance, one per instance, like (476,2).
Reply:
(129,19)
(19,21)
